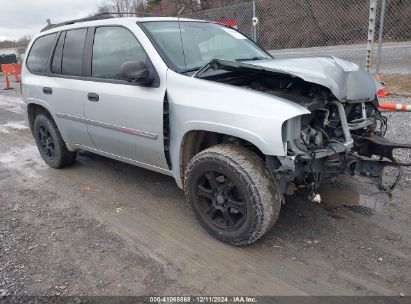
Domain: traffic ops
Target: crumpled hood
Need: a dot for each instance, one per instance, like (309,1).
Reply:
(346,80)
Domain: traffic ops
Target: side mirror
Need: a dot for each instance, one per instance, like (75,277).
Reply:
(137,71)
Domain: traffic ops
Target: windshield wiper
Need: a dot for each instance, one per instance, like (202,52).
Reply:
(251,59)
(238,60)
(191,70)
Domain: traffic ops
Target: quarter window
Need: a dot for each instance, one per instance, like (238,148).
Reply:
(58,53)
(112,47)
(72,63)
(39,53)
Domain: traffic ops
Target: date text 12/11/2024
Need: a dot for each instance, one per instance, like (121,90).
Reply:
(203,299)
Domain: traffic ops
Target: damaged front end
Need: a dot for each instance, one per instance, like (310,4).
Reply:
(338,139)
(342,135)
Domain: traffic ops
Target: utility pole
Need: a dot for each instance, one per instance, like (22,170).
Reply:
(371,33)
(255,22)
(382,18)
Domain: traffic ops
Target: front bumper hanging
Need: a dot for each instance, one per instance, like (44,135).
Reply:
(375,169)
(379,146)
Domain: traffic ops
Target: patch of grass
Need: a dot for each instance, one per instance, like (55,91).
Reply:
(397,84)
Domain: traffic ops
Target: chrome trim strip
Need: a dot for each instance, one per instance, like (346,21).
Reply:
(109,126)
(122,129)
(69,117)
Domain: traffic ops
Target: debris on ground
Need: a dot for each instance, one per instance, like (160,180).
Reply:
(361,209)
(86,187)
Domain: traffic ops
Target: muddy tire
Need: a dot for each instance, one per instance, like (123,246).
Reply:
(50,143)
(232,194)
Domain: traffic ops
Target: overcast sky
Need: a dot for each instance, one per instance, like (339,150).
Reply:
(27,17)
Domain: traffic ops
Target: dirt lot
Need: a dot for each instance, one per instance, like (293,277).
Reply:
(397,84)
(103,227)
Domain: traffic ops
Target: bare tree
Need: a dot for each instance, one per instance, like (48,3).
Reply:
(121,6)
(23,41)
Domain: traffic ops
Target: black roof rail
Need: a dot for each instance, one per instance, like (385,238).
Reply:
(101,16)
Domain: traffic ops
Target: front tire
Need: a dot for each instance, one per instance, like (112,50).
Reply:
(232,194)
(51,145)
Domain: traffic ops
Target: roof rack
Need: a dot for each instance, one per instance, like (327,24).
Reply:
(101,16)
(96,17)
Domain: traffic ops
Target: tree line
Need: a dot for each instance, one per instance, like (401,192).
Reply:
(163,7)
(20,43)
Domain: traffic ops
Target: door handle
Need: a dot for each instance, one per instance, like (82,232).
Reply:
(47,90)
(93,97)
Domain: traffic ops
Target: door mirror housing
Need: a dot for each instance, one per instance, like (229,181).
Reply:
(137,72)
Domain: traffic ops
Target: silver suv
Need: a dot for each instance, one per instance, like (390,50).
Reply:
(201,102)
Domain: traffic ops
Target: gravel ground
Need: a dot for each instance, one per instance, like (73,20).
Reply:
(103,227)
(399,131)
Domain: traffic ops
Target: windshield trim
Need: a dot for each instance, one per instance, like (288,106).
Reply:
(167,60)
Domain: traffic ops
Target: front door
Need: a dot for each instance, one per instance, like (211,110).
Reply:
(123,119)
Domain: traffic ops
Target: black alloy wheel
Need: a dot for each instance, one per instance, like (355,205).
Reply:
(50,143)
(232,193)
(46,141)
(221,202)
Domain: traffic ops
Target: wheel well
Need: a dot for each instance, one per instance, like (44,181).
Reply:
(196,141)
(33,110)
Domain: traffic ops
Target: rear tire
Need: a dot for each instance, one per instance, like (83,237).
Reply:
(51,145)
(232,194)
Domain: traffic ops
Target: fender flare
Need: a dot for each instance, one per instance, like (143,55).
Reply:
(189,126)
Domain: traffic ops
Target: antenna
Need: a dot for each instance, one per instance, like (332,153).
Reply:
(181,35)
(181,11)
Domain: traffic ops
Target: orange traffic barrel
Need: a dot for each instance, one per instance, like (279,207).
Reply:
(398,107)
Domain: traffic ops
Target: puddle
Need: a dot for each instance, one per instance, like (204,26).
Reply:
(11,103)
(353,191)
(25,160)
(12,125)
(5,159)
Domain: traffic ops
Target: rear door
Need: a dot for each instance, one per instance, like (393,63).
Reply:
(67,86)
(123,119)
(35,80)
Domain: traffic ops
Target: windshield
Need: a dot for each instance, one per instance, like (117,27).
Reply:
(201,42)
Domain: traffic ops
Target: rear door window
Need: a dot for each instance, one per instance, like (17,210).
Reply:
(39,53)
(72,63)
(112,47)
